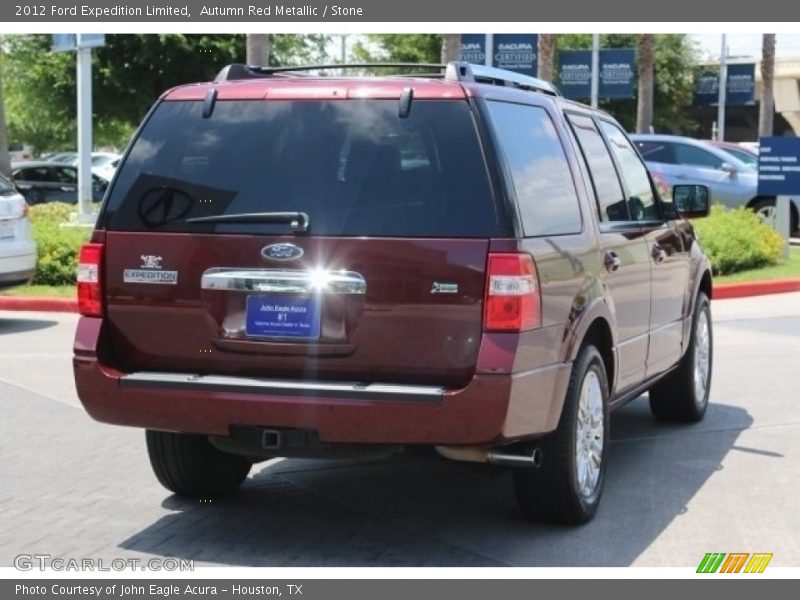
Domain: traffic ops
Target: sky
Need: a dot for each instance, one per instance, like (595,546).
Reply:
(747,44)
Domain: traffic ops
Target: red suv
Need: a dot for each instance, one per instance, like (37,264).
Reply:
(301,265)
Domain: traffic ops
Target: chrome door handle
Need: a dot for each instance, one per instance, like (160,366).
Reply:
(283,281)
(611,261)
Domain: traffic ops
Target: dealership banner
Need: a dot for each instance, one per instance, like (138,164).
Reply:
(617,73)
(512,51)
(740,90)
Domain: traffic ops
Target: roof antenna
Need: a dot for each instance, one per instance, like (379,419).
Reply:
(209,102)
(405,102)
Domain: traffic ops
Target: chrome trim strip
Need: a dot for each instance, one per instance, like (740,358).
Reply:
(284,387)
(284,281)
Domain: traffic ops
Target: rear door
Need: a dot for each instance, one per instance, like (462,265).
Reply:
(376,274)
(623,253)
(669,259)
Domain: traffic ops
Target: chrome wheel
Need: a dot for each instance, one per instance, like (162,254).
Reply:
(767,213)
(702,357)
(589,435)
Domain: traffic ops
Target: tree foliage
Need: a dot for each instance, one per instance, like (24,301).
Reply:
(674,64)
(128,74)
(398,47)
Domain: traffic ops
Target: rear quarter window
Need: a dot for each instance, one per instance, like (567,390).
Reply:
(540,173)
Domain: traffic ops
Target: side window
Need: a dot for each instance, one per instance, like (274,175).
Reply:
(33,174)
(697,157)
(660,152)
(545,190)
(607,188)
(65,175)
(641,200)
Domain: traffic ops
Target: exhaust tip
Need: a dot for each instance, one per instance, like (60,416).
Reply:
(537,456)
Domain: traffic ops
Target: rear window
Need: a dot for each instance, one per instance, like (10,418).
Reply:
(659,152)
(353,166)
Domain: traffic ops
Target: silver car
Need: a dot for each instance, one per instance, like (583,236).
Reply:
(733,183)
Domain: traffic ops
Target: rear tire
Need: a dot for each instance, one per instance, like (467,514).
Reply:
(189,465)
(566,489)
(682,396)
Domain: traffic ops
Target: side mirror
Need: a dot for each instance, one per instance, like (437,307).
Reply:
(728,168)
(691,201)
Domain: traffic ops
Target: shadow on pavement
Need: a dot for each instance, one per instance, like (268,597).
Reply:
(412,511)
(8,326)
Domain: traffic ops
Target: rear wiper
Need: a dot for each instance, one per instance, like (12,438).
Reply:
(298,221)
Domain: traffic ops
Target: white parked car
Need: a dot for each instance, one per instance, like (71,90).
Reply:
(17,248)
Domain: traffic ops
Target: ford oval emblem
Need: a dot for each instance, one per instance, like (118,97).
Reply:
(281,252)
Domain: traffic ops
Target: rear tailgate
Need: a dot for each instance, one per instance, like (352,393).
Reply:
(386,285)
(399,330)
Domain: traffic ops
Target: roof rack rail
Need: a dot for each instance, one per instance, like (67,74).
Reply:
(464,71)
(453,71)
(239,71)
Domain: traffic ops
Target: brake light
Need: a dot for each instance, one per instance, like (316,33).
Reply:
(512,301)
(90,262)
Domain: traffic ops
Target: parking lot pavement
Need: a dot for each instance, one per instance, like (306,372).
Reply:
(75,488)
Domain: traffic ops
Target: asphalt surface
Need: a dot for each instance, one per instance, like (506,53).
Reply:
(75,488)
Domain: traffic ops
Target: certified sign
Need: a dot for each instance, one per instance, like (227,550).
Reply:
(779,166)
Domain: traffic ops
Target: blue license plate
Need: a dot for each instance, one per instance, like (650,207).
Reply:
(279,315)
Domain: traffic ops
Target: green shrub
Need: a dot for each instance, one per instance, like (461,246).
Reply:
(736,240)
(57,247)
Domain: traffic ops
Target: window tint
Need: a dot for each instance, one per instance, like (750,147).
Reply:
(641,200)
(696,157)
(610,199)
(656,152)
(65,175)
(354,167)
(6,187)
(541,176)
(33,174)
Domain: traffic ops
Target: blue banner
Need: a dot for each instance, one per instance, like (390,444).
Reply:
(575,73)
(617,73)
(740,90)
(512,51)
(779,166)
(473,48)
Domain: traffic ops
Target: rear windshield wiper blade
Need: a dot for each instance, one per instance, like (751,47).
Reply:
(298,221)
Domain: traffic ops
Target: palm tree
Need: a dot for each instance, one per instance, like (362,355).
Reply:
(645,59)
(766,111)
(258,49)
(546,51)
(5,159)
(451,47)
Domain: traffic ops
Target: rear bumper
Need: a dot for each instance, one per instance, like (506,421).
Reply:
(492,408)
(17,264)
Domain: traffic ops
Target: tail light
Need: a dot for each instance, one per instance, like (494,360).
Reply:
(512,302)
(90,264)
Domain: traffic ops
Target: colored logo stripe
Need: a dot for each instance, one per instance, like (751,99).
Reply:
(717,561)
(711,562)
(734,562)
(758,562)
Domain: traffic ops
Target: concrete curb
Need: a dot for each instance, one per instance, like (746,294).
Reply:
(38,303)
(722,291)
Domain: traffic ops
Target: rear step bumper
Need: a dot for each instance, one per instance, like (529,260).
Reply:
(491,409)
(318,389)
